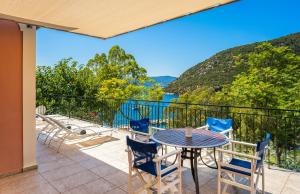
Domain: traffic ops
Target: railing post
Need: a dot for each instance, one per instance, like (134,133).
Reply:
(69,108)
(221,112)
(186,114)
(158,114)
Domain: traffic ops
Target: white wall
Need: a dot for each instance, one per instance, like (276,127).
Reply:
(29,61)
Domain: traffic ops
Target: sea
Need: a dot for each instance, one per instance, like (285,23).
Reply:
(134,110)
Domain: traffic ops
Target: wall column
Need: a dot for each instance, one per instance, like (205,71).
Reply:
(29,93)
(11,115)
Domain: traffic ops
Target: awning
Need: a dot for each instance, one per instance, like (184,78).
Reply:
(101,18)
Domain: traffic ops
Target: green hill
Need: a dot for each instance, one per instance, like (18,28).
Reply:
(220,68)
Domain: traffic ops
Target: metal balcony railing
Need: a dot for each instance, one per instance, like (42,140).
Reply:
(250,124)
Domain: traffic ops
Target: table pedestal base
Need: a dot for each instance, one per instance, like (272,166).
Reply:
(192,155)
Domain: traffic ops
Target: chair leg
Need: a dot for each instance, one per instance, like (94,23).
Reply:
(130,184)
(130,171)
(263,179)
(253,190)
(63,140)
(49,133)
(148,191)
(42,130)
(180,183)
(159,186)
(171,191)
(257,178)
(219,182)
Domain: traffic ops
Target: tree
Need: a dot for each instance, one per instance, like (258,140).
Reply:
(102,85)
(119,77)
(271,80)
(56,83)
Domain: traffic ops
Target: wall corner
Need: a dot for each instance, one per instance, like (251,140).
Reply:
(29,95)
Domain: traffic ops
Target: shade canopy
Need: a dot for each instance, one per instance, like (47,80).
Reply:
(101,18)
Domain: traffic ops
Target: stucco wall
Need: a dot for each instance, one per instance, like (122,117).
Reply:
(17,97)
(11,124)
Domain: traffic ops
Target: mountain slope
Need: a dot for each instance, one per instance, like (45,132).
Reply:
(220,68)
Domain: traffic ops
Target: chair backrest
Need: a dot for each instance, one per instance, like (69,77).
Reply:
(261,149)
(140,125)
(143,152)
(60,125)
(218,125)
(46,119)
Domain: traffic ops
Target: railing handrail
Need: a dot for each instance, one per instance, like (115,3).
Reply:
(179,103)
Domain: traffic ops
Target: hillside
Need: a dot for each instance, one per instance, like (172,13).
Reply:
(220,68)
(164,81)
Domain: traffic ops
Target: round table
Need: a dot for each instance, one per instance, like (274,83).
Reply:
(200,139)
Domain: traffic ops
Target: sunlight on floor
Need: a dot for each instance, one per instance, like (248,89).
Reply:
(98,164)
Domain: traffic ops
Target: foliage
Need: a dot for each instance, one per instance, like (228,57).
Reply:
(118,75)
(221,69)
(270,82)
(106,79)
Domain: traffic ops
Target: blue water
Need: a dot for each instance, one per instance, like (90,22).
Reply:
(169,97)
(134,110)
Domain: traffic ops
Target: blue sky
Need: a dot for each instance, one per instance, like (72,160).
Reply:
(172,47)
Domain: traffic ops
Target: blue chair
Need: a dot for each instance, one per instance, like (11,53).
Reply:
(248,168)
(140,129)
(223,126)
(143,158)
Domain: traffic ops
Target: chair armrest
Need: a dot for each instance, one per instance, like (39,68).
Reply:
(157,128)
(226,131)
(243,143)
(238,154)
(205,127)
(160,158)
(82,127)
(140,133)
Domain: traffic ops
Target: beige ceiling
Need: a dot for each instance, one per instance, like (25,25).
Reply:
(101,18)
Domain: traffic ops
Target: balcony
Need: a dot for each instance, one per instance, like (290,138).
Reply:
(99,164)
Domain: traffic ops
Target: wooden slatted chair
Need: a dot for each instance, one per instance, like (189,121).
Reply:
(140,129)
(222,126)
(218,125)
(144,162)
(231,172)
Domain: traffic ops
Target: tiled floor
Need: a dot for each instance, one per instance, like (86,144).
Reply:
(103,169)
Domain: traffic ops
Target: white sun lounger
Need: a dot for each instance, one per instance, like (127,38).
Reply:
(49,127)
(66,130)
